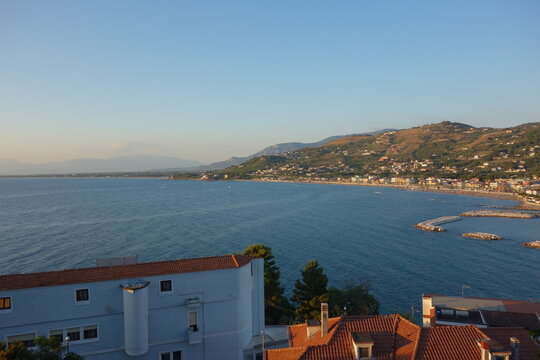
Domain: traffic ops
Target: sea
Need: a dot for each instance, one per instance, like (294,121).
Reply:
(356,233)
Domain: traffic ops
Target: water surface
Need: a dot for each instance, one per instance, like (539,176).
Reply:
(355,232)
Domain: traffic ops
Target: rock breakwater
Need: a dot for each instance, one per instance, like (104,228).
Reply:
(500,213)
(433,224)
(482,236)
(532,244)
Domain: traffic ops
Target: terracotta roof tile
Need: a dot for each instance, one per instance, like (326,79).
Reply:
(298,334)
(291,353)
(527,348)
(396,338)
(449,343)
(388,332)
(86,275)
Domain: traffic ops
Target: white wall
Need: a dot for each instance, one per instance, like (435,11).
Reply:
(231,311)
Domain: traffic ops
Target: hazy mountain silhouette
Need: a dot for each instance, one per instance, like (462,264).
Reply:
(88,165)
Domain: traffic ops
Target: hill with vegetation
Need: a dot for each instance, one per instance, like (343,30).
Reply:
(446,149)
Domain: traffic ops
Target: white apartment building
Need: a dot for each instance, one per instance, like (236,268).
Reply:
(201,308)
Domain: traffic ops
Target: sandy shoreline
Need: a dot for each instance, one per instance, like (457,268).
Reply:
(489,194)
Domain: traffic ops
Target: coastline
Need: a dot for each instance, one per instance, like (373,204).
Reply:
(488,194)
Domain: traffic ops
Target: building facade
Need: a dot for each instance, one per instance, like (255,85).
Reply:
(202,308)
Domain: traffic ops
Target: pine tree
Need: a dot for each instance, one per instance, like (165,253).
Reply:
(310,291)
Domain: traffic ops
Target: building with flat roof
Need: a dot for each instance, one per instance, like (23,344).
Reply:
(482,312)
(201,308)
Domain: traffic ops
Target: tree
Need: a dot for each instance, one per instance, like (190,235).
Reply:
(310,291)
(277,307)
(15,351)
(47,349)
(355,299)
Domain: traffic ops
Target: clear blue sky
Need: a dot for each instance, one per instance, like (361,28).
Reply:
(205,80)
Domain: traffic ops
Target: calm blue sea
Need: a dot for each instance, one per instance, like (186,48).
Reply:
(355,232)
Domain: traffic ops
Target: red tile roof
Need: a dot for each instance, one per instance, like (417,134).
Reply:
(86,275)
(527,348)
(396,338)
(391,334)
(450,343)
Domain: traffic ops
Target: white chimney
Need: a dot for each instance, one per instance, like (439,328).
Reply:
(514,344)
(484,347)
(324,319)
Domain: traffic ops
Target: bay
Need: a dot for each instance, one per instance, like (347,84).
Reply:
(355,232)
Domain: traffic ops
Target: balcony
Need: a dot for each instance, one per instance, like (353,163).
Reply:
(194,335)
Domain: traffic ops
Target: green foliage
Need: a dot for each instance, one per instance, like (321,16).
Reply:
(73,356)
(47,349)
(15,351)
(277,307)
(310,291)
(354,299)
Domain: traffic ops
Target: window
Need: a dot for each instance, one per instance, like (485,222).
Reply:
(165,286)
(193,321)
(26,339)
(90,332)
(59,334)
(364,352)
(82,334)
(82,295)
(174,355)
(5,303)
(74,334)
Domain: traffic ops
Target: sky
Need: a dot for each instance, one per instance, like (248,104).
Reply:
(206,80)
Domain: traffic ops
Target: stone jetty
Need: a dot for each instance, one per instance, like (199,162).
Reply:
(532,244)
(483,236)
(433,224)
(500,213)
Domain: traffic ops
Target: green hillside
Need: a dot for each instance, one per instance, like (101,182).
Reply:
(446,149)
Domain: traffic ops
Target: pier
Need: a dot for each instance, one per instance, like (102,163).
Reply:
(482,236)
(500,213)
(433,224)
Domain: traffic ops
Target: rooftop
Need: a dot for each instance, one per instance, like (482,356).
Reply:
(94,274)
(473,303)
(395,338)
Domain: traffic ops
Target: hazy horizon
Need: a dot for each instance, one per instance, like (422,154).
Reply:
(207,81)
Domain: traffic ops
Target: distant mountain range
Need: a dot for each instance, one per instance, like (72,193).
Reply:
(147,163)
(278,149)
(132,163)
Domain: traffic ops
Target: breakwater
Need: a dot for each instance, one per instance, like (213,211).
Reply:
(532,244)
(500,213)
(482,236)
(433,224)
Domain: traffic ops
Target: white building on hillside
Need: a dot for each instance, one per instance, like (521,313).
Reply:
(202,308)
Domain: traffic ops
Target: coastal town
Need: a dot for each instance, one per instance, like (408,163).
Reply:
(526,189)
